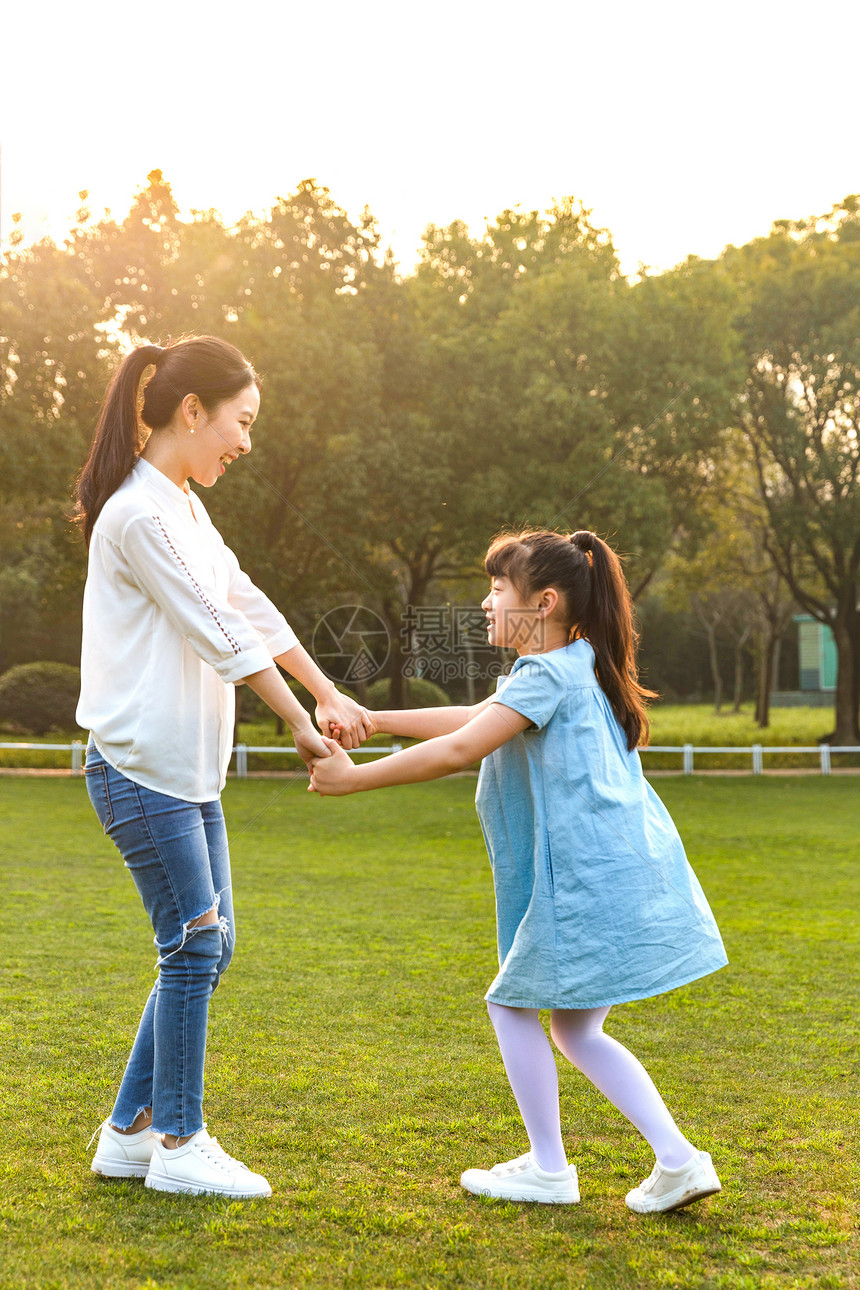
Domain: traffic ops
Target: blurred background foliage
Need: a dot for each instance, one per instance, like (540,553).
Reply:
(703,420)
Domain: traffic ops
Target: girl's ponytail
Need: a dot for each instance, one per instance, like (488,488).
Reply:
(117,439)
(608,624)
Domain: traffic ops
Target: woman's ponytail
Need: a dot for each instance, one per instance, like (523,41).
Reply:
(117,439)
(608,624)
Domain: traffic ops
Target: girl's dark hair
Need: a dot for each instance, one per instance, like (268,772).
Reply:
(588,576)
(212,369)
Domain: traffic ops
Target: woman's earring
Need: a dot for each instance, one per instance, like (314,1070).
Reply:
(193,425)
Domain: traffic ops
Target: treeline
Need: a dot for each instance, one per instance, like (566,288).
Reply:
(704,420)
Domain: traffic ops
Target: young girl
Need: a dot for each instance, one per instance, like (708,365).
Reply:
(596,903)
(170,626)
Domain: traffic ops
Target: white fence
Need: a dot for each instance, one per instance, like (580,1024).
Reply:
(688,752)
(76,748)
(756,751)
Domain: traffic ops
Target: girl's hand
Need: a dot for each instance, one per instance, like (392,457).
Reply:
(334,774)
(310,746)
(344,720)
(369,725)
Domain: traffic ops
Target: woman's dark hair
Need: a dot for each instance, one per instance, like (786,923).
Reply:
(212,369)
(589,578)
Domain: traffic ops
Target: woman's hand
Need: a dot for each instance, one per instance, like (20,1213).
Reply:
(310,746)
(333,775)
(343,719)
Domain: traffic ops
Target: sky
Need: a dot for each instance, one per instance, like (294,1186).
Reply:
(682,126)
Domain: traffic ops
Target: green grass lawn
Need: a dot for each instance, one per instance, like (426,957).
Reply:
(352,1062)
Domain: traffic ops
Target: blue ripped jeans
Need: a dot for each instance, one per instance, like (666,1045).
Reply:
(176,852)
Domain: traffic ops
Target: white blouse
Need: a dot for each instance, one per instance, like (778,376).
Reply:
(169,622)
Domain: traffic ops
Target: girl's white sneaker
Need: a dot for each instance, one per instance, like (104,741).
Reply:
(202,1167)
(666,1189)
(522,1179)
(123,1155)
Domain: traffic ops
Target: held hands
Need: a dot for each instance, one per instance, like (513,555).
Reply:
(309,745)
(332,774)
(344,720)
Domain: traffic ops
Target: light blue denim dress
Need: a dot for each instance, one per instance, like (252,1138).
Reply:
(596,903)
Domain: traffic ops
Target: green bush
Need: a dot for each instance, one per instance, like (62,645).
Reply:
(38,697)
(419,694)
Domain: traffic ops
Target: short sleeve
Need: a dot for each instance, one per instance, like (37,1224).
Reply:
(533,689)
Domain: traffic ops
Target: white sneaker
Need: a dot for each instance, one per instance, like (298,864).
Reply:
(522,1179)
(123,1155)
(201,1166)
(666,1189)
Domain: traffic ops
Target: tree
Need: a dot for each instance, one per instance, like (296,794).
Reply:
(54,364)
(800,411)
(773,613)
(614,399)
(443,468)
(301,319)
(709,580)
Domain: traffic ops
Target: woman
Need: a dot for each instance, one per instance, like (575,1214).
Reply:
(171,624)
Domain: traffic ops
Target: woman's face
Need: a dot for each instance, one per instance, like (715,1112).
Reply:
(221,437)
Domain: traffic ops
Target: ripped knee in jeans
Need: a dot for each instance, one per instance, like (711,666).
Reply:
(209,919)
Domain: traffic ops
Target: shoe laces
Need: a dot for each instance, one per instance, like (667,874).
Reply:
(214,1145)
(216,1160)
(97,1132)
(216,1155)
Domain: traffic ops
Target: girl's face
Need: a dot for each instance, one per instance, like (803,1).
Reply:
(220,438)
(512,623)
